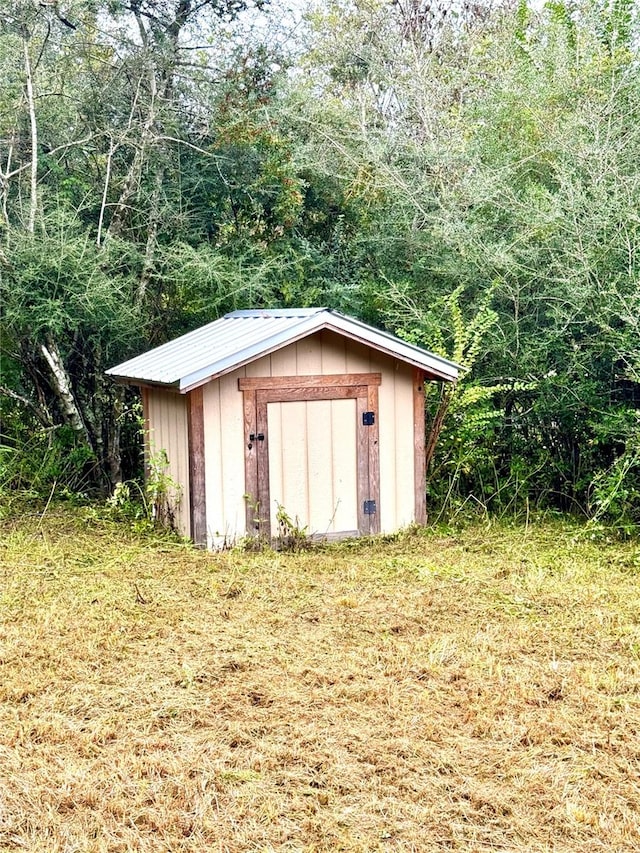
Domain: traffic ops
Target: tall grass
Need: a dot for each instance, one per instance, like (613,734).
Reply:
(476,691)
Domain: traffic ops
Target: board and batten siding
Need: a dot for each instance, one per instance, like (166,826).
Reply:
(166,411)
(325,353)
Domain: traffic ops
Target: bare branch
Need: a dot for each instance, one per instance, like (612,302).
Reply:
(107,178)
(192,146)
(33,206)
(42,47)
(28,404)
(29,165)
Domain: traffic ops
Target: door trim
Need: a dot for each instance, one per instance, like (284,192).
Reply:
(258,392)
(332,380)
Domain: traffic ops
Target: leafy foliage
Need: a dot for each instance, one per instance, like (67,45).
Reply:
(464,176)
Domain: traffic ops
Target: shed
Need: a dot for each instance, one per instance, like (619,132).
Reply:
(307,413)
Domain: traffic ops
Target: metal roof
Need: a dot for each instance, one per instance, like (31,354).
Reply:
(243,336)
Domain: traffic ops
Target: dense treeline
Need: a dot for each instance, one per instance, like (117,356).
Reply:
(465,175)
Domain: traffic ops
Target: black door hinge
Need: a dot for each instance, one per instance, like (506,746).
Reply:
(370,508)
(368,418)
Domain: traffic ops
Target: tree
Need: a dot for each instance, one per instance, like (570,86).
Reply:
(502,154)
(94,124)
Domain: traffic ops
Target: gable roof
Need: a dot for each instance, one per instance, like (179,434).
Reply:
(243,336)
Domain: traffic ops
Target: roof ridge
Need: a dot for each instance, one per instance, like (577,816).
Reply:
(257,313)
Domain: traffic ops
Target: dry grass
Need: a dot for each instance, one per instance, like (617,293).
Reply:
(477,692)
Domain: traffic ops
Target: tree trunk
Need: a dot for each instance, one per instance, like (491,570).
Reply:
(61,385)
(152,234)
(437,424)
(132,179)
(114,458)
(33,195)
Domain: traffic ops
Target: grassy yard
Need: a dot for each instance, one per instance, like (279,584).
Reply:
(473,692)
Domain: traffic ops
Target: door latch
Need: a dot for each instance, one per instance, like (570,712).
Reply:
(253,437)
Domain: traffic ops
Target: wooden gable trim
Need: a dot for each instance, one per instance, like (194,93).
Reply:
(390,352)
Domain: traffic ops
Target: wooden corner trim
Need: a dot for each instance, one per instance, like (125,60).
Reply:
(197,480)
(144,395)
(419,461)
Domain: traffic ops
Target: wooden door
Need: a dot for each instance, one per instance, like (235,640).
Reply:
(313,477)
(305,483)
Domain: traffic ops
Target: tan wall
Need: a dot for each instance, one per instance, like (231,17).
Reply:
(168,431)
(323,353)
(224,460)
